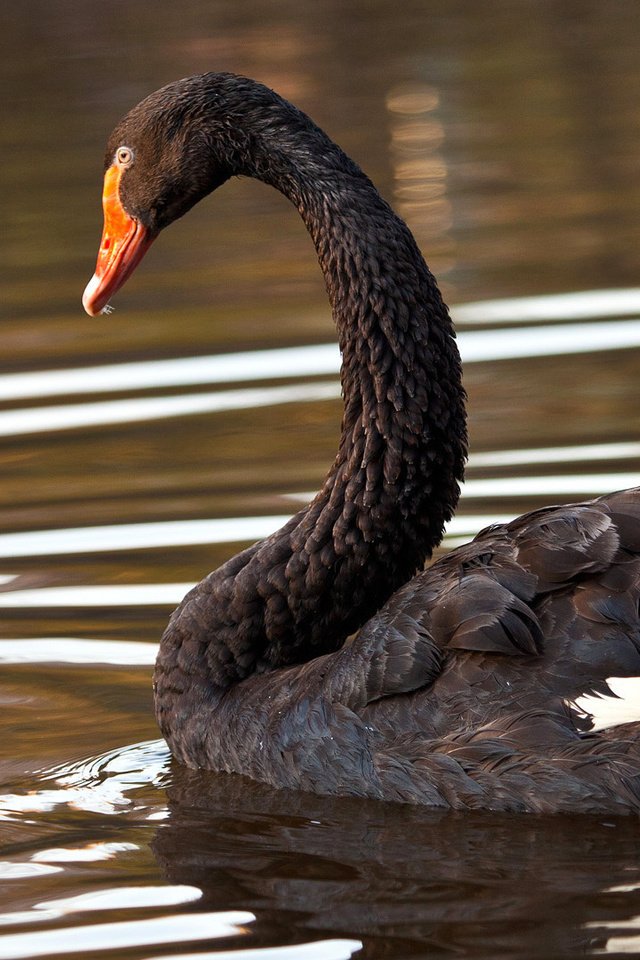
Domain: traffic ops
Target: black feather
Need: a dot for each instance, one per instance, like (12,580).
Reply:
(459,689)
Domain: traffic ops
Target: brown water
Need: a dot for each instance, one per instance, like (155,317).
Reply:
(508,135)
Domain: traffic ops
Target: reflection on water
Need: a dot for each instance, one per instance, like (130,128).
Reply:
(97,595)
(582,305)
(37,420)
(123,897)
(586,452)
(474,884)
(140,450)
(67,650)
(109,784)
(182,372)
(125,934)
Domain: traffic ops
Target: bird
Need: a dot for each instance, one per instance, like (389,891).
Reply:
(333,657)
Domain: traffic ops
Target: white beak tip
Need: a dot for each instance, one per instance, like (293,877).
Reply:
(88,297)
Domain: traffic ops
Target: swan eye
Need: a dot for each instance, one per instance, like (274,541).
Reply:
(124,156)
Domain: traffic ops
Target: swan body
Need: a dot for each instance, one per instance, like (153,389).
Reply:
(320,659)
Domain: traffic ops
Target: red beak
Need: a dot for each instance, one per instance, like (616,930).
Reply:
(123,245)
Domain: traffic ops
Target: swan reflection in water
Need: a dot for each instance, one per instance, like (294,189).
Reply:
(400,878)
(481,884)
(459,689)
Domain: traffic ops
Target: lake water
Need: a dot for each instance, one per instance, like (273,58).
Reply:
(139,451)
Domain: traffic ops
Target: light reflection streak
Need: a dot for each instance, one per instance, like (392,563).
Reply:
(25,871)
(123,898)
(574,485)
(543,455)
(629,944)
(179,372)
(420,173)
(90,853)
(72,416)
(161,534)
(317,950)
(126,934)
(114,898)
(96,785)
(100,595)
(583,305)
(476,346)
(68,650)
(26,916)
(136,536)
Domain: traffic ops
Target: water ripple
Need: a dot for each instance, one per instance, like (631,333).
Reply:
(164,533)
(583,305)
(179,928)
(316,360)
(97,595)
(123,898)
(318,950)
(135,536)
(100,784)
(74,415)
(563,454)
(71,650)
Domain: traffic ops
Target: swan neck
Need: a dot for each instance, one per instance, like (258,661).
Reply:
(394,482)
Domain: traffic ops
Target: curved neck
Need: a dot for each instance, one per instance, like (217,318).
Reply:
(394,482)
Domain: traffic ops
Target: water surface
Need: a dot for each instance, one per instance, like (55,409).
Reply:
(139,451)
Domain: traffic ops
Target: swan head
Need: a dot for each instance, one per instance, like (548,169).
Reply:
(166,154)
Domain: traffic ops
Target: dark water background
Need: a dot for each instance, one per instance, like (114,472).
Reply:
(508,135)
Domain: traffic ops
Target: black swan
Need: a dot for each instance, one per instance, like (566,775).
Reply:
(458,688)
